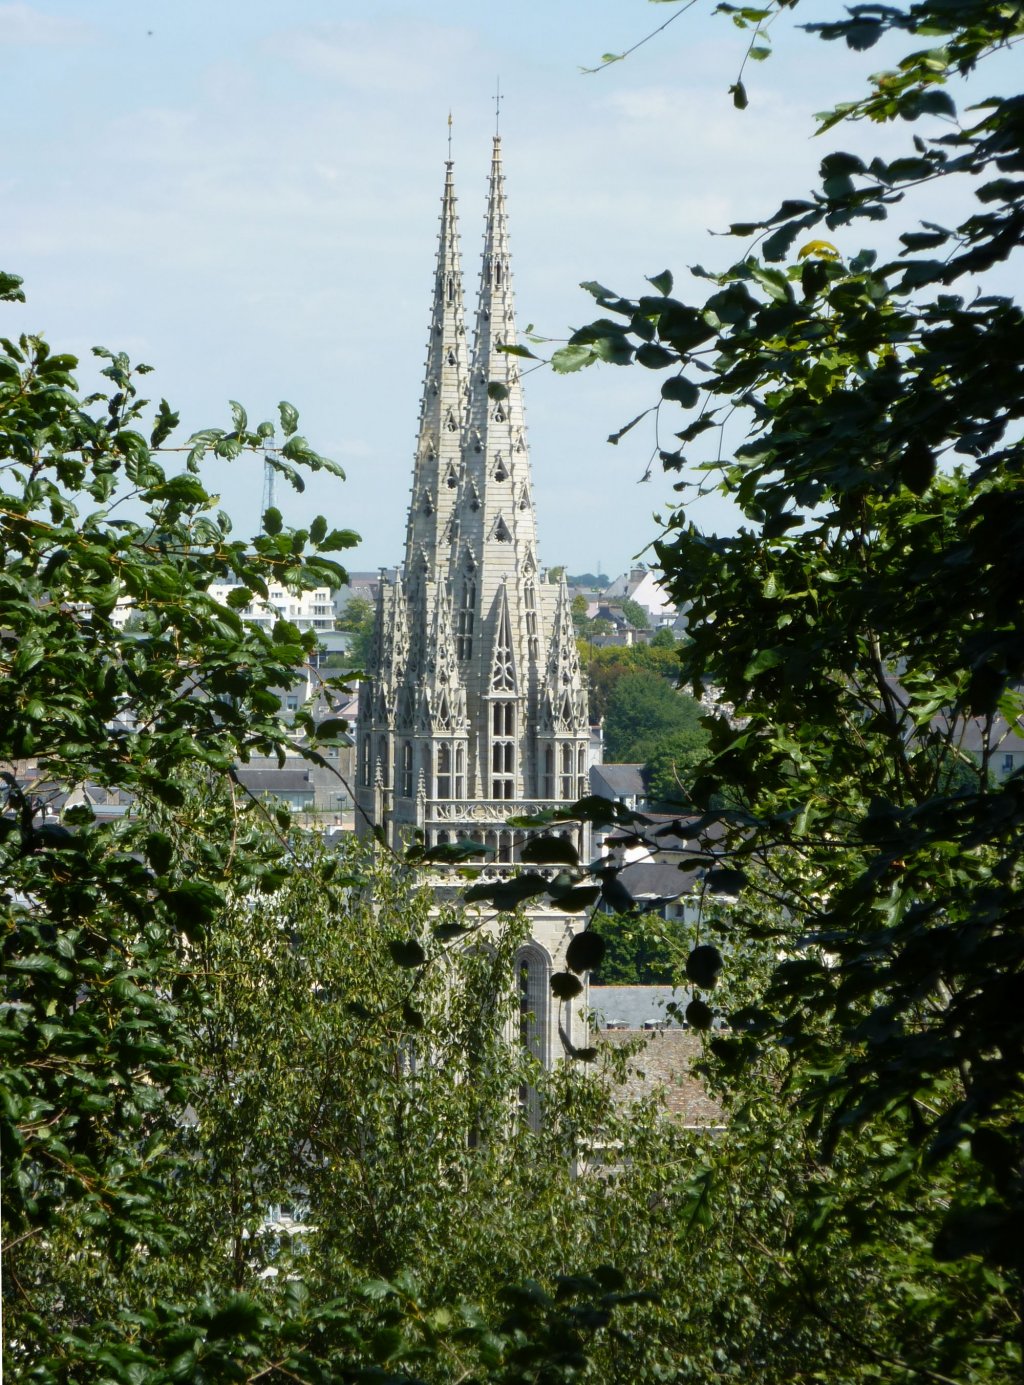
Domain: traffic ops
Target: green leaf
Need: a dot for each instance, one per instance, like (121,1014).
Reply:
(585,952)
(550,851)
(738,92)
(407,953)
(574,901)
(452,853)
(507,894)
(566,986)
(662,282)
(569,358)
(273,521)
(703,966)
(699,1015)
(681,391)
(332,728)
(763,660)
(289,418)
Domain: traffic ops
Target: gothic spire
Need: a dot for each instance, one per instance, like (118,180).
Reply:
(494,519)
(442,409)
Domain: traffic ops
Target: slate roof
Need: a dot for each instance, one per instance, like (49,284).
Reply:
(658,879)
(617,781)
(635,1006)
(276,780)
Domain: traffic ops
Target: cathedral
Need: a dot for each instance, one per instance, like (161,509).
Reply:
(475,708)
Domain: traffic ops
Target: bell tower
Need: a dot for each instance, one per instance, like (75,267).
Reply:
(475,709)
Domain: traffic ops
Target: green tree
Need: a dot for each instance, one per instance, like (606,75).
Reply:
(204,1012)
(606,666)
(642,709)
(579,611)
(868,610)
(644,951)
(357,618)
(672,763)
(635,614)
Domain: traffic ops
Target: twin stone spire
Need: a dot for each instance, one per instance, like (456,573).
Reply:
(474,708)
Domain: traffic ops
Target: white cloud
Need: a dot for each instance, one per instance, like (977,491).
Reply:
(352,53)
(23,25)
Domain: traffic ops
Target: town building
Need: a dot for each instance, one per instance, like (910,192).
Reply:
(475,708)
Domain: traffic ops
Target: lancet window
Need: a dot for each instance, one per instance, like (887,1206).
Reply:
(406,777)
(565,777)
(444,771)
(467,606)
(503,749)
(503,672)
(530,602)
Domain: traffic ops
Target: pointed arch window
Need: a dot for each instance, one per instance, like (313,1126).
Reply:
(503,749)
(460,771)
(406,779)
(565,777)
(503,670)
(549,771)
(530,603)
(449,290)
(364,761)
(443,785)
(581,766)
(451,479)
(451,357)
(533,985)
(450,423)
(500,472)
(501,531)
(466,615)
(499,414)
(428,504)
(444,712)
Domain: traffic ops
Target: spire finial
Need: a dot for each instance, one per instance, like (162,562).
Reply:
(497,109)
(449,139)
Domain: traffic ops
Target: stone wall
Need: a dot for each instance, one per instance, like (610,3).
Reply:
(666,1065)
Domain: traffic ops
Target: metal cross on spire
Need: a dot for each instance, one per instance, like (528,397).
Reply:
(449,137)
(497,107)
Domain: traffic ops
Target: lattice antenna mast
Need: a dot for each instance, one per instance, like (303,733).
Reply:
(269,485)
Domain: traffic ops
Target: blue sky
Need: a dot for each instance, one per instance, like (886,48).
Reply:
(245,195)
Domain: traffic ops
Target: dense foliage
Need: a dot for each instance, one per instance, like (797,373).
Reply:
(866,626)
(203,1018)
(643,712)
